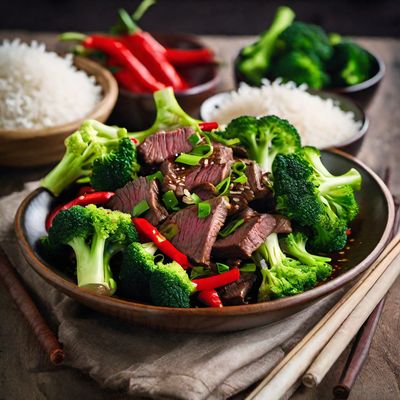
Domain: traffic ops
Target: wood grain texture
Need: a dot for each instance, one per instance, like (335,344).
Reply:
(21,359)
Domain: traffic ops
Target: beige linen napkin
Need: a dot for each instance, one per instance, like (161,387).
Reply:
(155,364)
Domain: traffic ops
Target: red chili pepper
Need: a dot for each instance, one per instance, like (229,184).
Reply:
(215,281)
(147,51)
(184,57)
(210,298)
(147,230)
(134,140)
(83,200)
(348,232)
(85,190)
(208,126)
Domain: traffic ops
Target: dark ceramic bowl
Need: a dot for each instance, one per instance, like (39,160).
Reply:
(351,145)
(361,93)
(371,232)
(136,111)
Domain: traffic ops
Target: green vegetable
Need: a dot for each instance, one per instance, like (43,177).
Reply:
(140,208)
(264,137)
(95,235)
(203,209)
(93,140)
(170,201)
(308,194)
(231,227)
(157,175)
(170,286)
(169,116)
(222,268)
(254,60)
(115,169)
(350,64)
(248,267)
(196,272)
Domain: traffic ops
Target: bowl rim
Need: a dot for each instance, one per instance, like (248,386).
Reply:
(109,88)
(328,94)
(67,286)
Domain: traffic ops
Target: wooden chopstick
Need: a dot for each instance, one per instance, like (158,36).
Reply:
(25,304)
(361,346)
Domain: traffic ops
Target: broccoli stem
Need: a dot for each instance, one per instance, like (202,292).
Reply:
(169,115)
(351,178)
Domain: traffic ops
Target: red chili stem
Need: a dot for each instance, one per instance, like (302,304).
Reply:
(83,200)
(210,298)
(147,230)
(208,126)
(150,53)
(184,57)
(216,281)
(125,58)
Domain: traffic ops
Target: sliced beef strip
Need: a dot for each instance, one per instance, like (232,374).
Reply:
(196,236)
(135,191)
(255,180)
(235,293)
(283,225)
(163,145)
(205,191)
(246,239)
(246,214)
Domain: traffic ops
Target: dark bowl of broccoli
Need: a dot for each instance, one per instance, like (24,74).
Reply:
(370,231)
(305,54)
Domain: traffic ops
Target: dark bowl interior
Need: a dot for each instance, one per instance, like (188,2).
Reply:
(351,145)
(370,233)
(136,111)
(361,93)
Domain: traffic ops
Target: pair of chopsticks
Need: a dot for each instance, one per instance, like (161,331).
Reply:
(25,304)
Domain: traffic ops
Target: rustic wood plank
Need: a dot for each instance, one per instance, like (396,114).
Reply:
(21,358)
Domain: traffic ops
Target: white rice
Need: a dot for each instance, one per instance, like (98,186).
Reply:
(41,89)
(320,123)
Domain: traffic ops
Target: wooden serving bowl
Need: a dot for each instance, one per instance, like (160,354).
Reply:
(371,231)
(34,147)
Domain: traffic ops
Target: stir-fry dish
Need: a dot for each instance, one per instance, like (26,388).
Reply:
(187,214)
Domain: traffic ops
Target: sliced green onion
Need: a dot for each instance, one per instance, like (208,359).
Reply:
(231,227)
(188,159)
(140,208)
(194,139)
(204,150)
(223,187)
(203,209)
(170,201)
(248,267)
(222,268)
(240,179)
(215,135)
(85,179)
(170,231)
(197,272)
(196,199)
(157,175)
(158,258)
(239,167)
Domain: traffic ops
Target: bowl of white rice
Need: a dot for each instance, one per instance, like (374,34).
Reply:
(44,97)
(323,119)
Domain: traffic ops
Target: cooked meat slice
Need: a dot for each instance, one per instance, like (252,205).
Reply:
(246,239)
(283,225)
(135,191)
(240,152)
(255,180)
(221,154)
(196,236)
(235,293)
(205,191)
(163,145)
(246,214)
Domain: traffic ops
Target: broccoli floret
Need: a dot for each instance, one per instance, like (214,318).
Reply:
(170,286)
(284,276)
(300,68)
(95,234)
(294,244)
(115,169)
(91,141)
(169,116)
(254,60)
(305,38)
(136,268)
(306,192)
(350,64)
(264,137)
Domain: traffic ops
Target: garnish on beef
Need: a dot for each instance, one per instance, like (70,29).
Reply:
(195,236)
(163,145)
(134,192)
(283,225)
(246,239)
(235,293)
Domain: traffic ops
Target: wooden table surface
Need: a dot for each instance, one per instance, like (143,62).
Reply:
(24,373)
